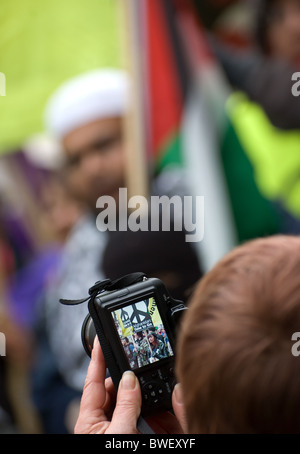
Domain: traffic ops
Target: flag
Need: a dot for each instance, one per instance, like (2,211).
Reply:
(188,126)
(166,82)
(138,317)
(41,45)
(183,130)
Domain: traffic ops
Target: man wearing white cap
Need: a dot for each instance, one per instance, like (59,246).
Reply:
(85,116)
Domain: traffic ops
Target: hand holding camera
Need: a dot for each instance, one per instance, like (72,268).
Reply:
(103,411)
(136,327)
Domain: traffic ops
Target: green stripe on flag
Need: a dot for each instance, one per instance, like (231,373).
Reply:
(170,154)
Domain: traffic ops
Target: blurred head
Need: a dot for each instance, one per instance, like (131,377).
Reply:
(60,210)
(86,115)
(152,338)
(278,29)
(234,357)
(161,254)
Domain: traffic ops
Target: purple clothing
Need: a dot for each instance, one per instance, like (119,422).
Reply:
(27,286)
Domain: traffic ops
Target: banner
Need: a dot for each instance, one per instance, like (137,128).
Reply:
(138,317)
(41,45)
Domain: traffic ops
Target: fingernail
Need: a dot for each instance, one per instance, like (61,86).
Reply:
(178,393)
(96,341)
(128,380)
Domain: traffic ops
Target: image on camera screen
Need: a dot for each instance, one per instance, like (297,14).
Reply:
(142,333)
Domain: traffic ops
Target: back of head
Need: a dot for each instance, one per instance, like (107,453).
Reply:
(234,360)
(162,254)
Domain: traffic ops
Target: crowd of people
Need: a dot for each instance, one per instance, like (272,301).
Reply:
(235,369)
(146,347)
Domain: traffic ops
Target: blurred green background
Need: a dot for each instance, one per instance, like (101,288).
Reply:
(42,43)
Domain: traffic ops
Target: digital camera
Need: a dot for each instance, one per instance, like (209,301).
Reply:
(136,322)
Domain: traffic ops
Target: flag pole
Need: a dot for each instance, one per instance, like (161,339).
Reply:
(137,174)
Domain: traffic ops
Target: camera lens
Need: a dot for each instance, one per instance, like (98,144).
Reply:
(88,334)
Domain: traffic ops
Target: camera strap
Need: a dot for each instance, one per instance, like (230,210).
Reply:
(107,285)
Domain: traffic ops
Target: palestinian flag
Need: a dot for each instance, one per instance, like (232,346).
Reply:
(188,126)
(167,81)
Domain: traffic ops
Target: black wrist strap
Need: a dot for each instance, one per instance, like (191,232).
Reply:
(107,285)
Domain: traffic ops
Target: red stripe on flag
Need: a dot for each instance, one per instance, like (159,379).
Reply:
(165,93)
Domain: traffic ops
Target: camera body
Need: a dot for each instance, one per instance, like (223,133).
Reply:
(136,327)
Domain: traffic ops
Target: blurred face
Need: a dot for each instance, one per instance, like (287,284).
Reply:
(96,160)
(60,210)
(151,338)
(283,34)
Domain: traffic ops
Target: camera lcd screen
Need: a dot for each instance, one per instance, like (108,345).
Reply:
(142,333)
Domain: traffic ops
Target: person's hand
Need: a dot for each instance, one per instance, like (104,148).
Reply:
(178,408)
(168,423)
(102,413)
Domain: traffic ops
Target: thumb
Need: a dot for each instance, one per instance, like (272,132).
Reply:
(128,405)
(178,407)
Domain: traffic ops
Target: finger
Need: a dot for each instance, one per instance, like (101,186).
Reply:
(128,406)
(164,423)
(94,393)
(111,395)
(178,407)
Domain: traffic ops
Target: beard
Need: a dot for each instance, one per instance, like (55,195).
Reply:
(101,188)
